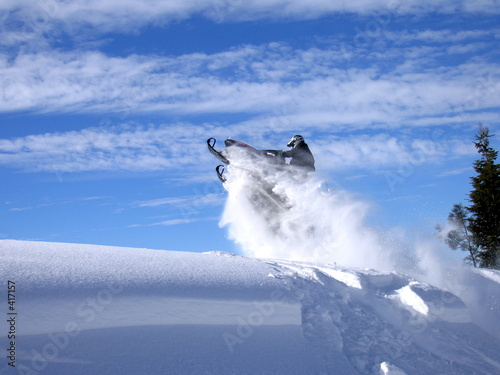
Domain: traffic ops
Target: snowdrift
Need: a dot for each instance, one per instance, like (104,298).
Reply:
(82,309)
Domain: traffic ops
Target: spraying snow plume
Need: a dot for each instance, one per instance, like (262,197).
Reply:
(286,213)
(274,210)
(278,212)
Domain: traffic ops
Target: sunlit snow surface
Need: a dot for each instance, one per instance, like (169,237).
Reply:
(85,309)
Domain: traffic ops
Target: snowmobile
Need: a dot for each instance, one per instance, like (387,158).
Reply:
(267,182)
(260,166)
(273,157)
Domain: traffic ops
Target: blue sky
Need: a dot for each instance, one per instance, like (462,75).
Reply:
(105,108)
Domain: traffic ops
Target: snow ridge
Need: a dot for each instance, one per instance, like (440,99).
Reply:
(131,311)
(380,327)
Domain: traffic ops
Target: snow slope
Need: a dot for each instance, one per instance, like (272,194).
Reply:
(85,309)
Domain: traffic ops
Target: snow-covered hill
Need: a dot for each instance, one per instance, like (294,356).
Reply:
(83,309)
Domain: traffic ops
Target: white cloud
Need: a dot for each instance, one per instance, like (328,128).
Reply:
(175,222)
(49,203)
(466,48)
(125,148)
(439,36)
(33,18)
(181,147)
(172,222)
(198,200)
(307,85)
(454,172)
(184,221)
(379,151)
(324,89)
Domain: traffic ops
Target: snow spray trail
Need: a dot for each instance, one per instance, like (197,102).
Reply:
(311,223)
(316,225)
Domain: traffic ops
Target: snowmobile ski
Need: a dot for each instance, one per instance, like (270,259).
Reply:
(260,193)
(220,173)
(211,147)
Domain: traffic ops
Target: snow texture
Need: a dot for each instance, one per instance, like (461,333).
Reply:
(320,292)
(86,309)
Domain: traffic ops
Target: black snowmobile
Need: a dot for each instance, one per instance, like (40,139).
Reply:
(262,194)
(274,157)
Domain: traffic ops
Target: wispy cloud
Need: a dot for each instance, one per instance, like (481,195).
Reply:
(197,200)
(30,16)
(126,148)
(394,85)
(378,151)
(184,221)
(54,203)
(440,35)
(171,222)
(454,172)
(311,84)
(181,147)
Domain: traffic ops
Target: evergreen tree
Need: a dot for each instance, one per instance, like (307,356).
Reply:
(484,222)
(460,236)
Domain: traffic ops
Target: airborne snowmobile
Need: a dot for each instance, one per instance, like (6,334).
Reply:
(260,167)
(273,157)
(274,189)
